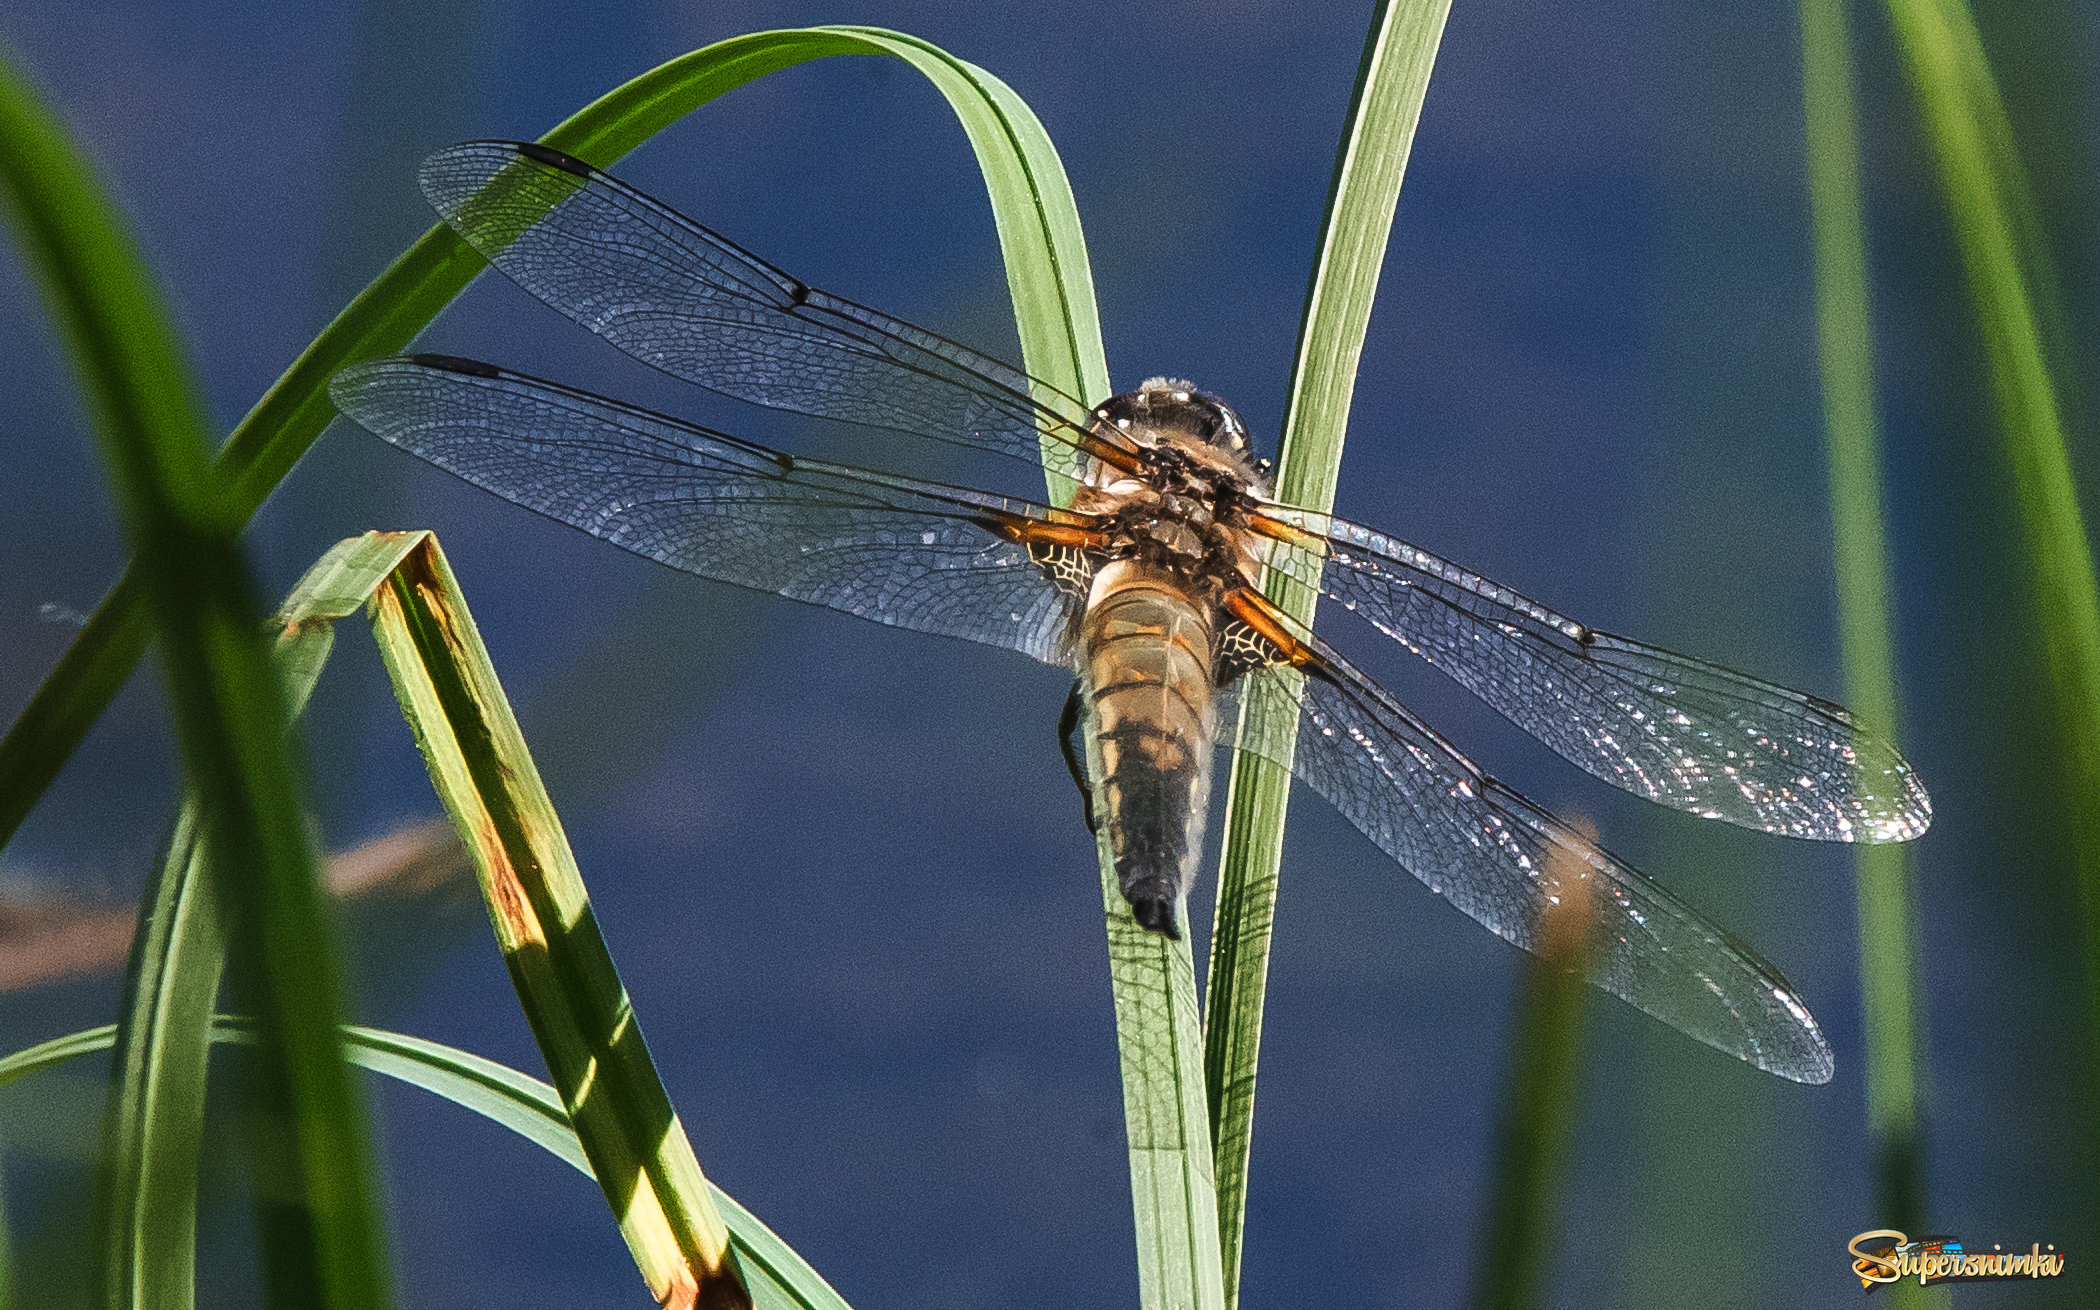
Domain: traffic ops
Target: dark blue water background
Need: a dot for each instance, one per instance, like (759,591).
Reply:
(841,866)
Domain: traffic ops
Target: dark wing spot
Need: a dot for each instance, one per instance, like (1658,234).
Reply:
(553,158)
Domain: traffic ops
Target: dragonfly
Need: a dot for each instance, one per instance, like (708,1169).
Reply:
(1148,584)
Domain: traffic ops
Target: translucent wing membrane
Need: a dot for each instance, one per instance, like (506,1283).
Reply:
(1679,731)
(1012,573)
(906,553)
(674,295)
(1501,859)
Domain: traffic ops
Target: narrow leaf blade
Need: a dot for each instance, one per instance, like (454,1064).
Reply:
(154,1131)
(1987,195)
(564,974)
(1384,110)
(1890,983)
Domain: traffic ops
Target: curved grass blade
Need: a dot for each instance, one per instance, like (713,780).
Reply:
(505,1096)
(1889,978)
(571,993)
(1038,231)
(1383,111)
(533,1110)
(36,1059)
(321,1239)
(2009,282)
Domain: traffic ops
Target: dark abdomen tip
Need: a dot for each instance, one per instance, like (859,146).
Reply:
(1156,914)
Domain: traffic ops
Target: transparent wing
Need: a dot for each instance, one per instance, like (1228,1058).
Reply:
(902,552)
(1501,859)
(679,297)
(1679,731)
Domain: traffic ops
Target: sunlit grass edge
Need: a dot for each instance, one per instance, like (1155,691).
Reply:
(1370,161)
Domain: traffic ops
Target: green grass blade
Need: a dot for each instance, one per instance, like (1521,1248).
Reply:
(505,1096)
(533,1110)
(510,1097)
(1387,104)
(1158,1025)
(2001,247)
(321,1239)
(1866,622)
(152,1137)
(571,993)
(31,1060)
(1038,228)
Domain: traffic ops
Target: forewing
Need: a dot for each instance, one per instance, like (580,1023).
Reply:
(679,297)
(906,553)
(1502,859)
(1680,731)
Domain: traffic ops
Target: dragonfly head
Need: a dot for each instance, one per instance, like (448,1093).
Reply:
(1172,406)
(1200,444)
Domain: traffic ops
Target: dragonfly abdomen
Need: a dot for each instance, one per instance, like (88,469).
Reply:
(1147,652)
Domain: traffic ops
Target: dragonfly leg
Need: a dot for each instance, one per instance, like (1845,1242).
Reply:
(1075,757)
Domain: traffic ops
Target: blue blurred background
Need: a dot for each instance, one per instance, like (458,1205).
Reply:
(841,866)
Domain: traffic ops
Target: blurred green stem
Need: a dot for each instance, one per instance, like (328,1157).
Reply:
(1888,962)
(2008,273)
(1542,1094)
(322,1242)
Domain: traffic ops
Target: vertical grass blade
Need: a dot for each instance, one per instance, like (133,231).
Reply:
(571,993)
(1542,1092)
(152,1139)
(2007,269)
(1383,111)
(1889,981)
(155,1127)
(321,1238)
(1038,229)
